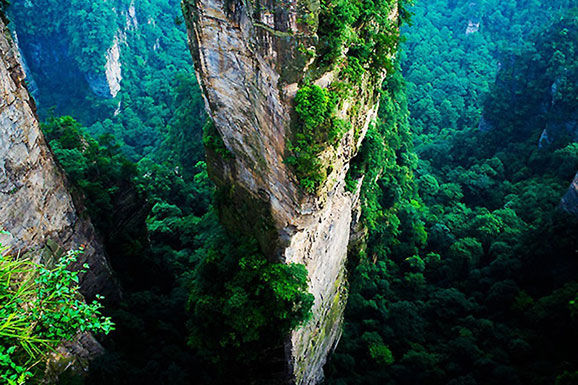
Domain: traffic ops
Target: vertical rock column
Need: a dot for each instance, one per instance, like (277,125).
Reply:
(35,205)
(570,201)
(251,58)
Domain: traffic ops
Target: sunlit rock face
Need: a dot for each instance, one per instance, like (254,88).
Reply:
(35,205)
(250,62)
(106,84)
(570,200)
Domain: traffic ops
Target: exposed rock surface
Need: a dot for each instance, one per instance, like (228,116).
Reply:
(107,84)
(250,64)
(570,200)
(35,205)
(473,27)
(563,120)
(72,357)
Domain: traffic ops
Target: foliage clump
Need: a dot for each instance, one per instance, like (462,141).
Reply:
(213,141)
(250,307)
(317,128)
(96,167)
(357,38)
(41,307)
(3,6)
(363,30)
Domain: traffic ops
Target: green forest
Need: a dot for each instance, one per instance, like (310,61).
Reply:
(467,272)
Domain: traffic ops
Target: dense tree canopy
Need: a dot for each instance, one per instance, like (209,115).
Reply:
(487,299)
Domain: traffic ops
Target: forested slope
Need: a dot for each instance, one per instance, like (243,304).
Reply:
(117,66)
(487,299)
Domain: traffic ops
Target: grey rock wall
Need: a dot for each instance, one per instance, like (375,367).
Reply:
(108,83)
(36,207)
(250,62)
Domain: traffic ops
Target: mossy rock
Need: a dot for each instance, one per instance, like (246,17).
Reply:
(245,214)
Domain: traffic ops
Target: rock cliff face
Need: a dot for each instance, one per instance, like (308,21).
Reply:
(251,59)
(563,120)
(35,205)
(107,84)
(570,200)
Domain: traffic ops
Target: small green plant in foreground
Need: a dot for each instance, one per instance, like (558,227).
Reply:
(40,307)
